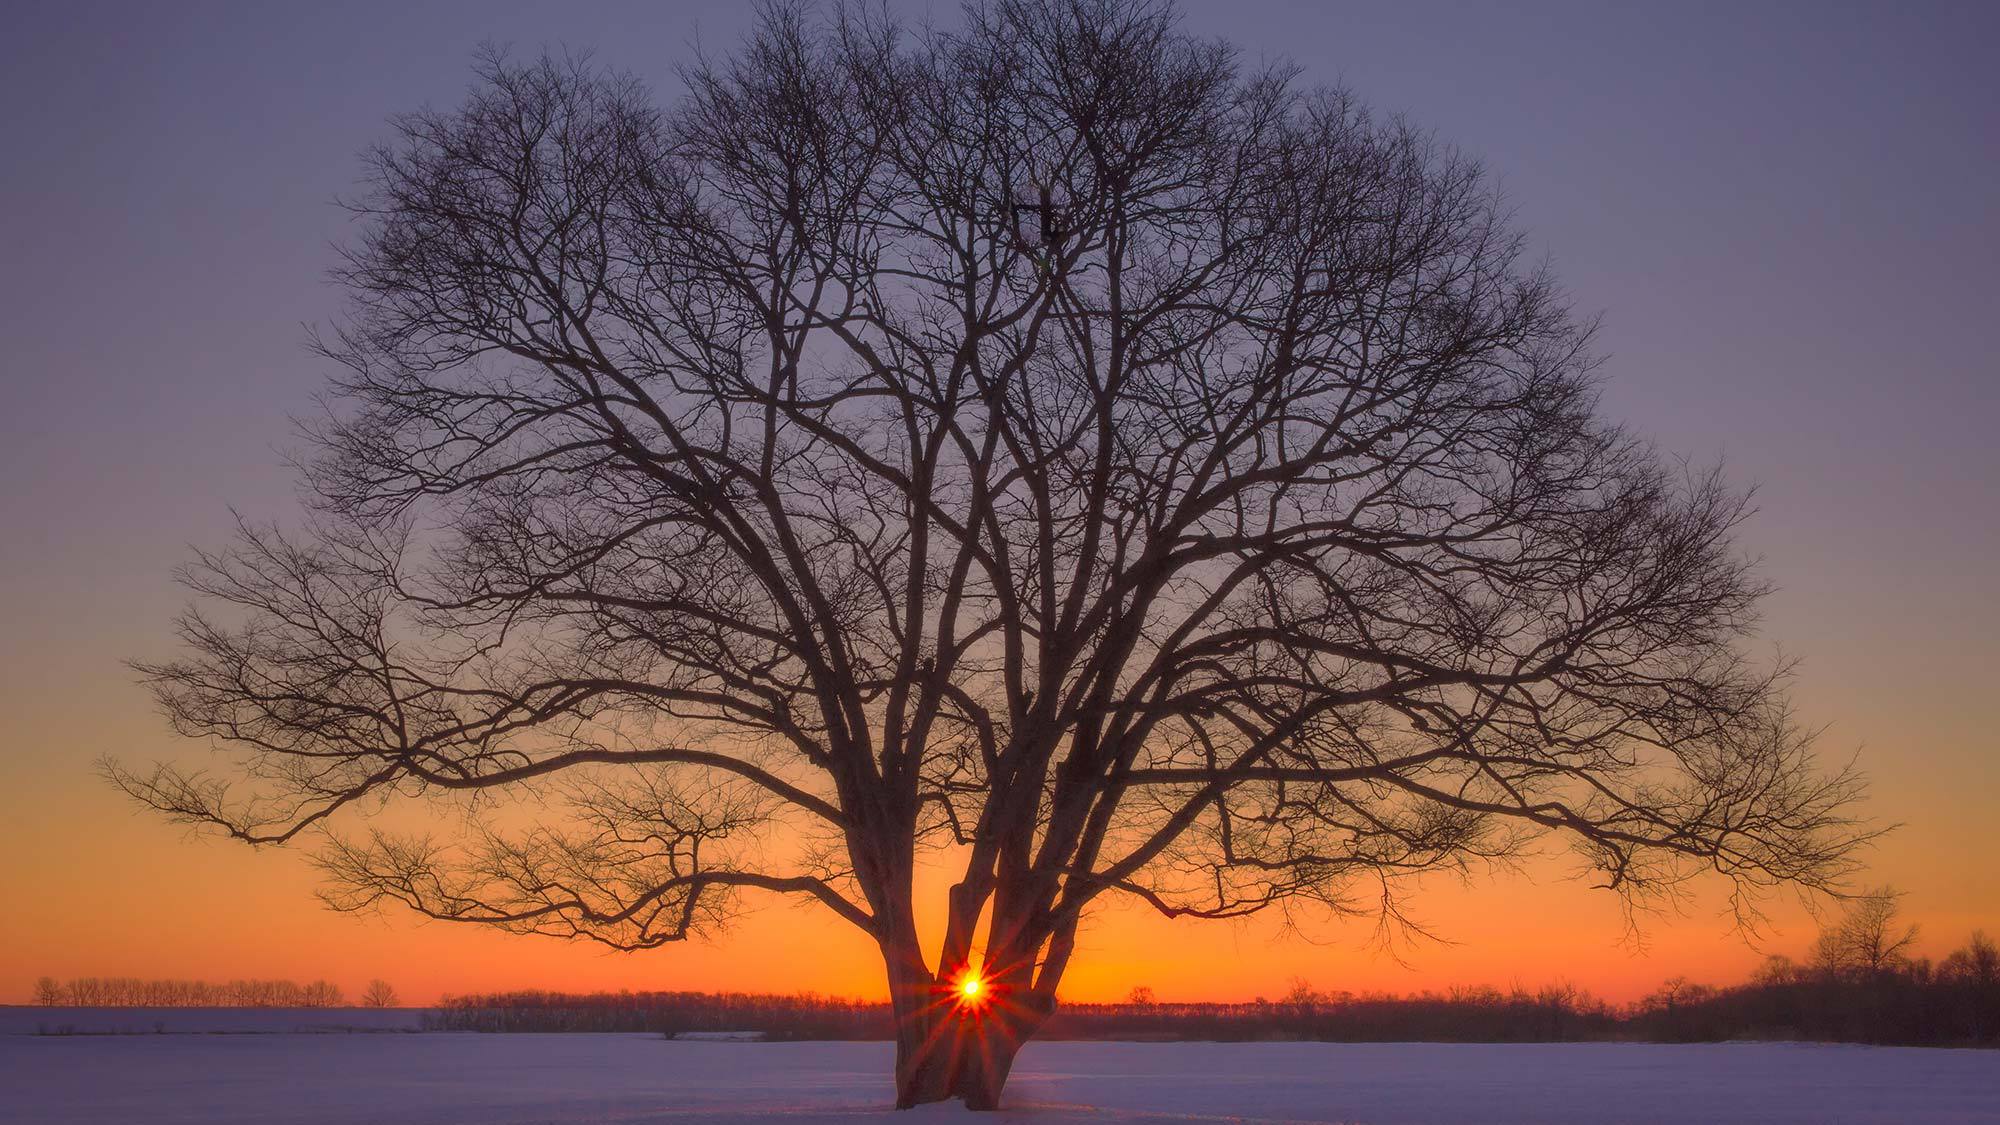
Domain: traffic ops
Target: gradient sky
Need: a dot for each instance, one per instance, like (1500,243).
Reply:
(1788,216)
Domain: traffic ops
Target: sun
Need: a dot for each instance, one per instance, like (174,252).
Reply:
(971,990)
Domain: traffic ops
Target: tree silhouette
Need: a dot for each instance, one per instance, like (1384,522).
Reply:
(379,994)
(762,495)
(1978,964)
(1868,939)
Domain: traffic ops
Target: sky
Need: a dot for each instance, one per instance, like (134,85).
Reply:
(1785,214)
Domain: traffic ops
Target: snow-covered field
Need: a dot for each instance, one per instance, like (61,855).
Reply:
(448,1079)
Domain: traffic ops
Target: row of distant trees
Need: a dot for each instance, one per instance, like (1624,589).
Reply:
(1469,1015)
(135,992)
(1552,1013)
(1942,1006)
(799,1016)
(1861,982)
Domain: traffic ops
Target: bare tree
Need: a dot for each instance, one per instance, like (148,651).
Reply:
(1302,995)
(49,992)
(1978,964)
(379,994)
(1046,436)
(1868,939)
(321,994)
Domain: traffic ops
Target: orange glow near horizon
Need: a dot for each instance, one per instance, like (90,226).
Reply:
(212,910)
(100,888)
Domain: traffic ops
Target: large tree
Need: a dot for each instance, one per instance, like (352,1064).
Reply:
(1045,436)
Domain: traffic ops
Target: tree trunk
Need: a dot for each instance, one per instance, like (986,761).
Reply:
(950,1052)
(925,1062)
(953,1046)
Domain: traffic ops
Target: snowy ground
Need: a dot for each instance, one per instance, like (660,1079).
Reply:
(448,1079)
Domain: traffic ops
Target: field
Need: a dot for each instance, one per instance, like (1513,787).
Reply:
(290,1078)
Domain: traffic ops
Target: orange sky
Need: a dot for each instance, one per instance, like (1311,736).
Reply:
(97,888)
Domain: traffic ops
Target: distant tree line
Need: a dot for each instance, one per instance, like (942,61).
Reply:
(1465,1015)
(134,992)
(1471,1015)
(804,1016)
(1861,983)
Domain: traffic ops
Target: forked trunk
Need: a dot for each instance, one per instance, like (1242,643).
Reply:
(955,1052)
(952,1042)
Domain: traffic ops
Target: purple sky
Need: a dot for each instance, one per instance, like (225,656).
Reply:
(1786,214)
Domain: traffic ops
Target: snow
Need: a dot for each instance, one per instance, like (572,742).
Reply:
(454,1078)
